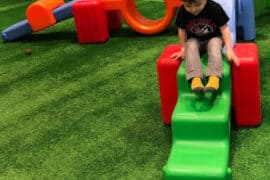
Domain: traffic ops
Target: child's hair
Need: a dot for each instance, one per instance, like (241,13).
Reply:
(191,1)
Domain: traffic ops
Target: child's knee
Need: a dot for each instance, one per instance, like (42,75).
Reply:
(215,42)
(192,44)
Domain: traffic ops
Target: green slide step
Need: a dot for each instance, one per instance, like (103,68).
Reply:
(201,131)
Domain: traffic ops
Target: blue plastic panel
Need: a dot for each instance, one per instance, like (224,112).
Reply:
(245,20)
(64,12)
(16,31)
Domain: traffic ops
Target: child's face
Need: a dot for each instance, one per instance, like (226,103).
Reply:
(196,7)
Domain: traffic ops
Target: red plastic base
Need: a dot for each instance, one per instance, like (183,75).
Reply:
(167,78)
(90,21)
(246,100)
(114,20)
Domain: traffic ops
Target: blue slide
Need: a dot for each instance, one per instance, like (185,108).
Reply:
(23,28)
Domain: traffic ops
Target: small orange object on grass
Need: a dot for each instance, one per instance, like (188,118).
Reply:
(28,51)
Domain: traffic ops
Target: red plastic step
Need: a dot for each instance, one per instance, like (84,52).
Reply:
(90,21)
(114,20)
(167,79)
(246,94)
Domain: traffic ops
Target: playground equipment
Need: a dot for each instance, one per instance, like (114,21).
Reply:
(201,125)
(201,132)
(245,20)
(200,147)
(45,13)
(87,32)
(200,128)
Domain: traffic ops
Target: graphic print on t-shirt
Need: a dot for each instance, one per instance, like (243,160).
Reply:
(201,26)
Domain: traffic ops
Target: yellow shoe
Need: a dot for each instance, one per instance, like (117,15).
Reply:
(213,84)
(196,84)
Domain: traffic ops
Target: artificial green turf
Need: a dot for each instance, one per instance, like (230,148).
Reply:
(72,111)
(261,7)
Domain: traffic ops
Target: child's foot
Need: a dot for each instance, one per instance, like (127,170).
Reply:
(213,84)
(196,84)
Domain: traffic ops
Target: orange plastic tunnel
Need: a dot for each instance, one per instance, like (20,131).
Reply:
(139,23)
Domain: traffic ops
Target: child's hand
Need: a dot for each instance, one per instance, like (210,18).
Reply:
(232,57)
(178,55)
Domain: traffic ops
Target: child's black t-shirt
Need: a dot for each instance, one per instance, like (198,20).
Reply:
(206,24)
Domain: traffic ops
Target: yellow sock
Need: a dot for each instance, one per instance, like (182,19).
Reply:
(213,83)
(196,84)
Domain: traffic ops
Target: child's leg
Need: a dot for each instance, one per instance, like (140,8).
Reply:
(214,68)
(193,64)
(193,61)
(214,65)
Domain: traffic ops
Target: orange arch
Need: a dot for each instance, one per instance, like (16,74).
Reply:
(139,23)
(39,13)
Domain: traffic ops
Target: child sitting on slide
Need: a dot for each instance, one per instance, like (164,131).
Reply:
(202,27)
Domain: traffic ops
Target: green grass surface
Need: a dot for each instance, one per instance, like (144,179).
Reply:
(72,111)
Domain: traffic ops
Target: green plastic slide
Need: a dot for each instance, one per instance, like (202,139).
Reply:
(201,131)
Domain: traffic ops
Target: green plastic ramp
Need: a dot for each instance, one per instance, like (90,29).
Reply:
(201,132)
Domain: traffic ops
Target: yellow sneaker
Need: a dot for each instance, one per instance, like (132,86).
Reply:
(213,84)
(196,84)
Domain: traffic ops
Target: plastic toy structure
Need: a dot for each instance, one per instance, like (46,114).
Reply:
(45,13)
(94,18)
(201,125)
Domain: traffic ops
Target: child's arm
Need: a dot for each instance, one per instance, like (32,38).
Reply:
(226,35)
(182,39)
